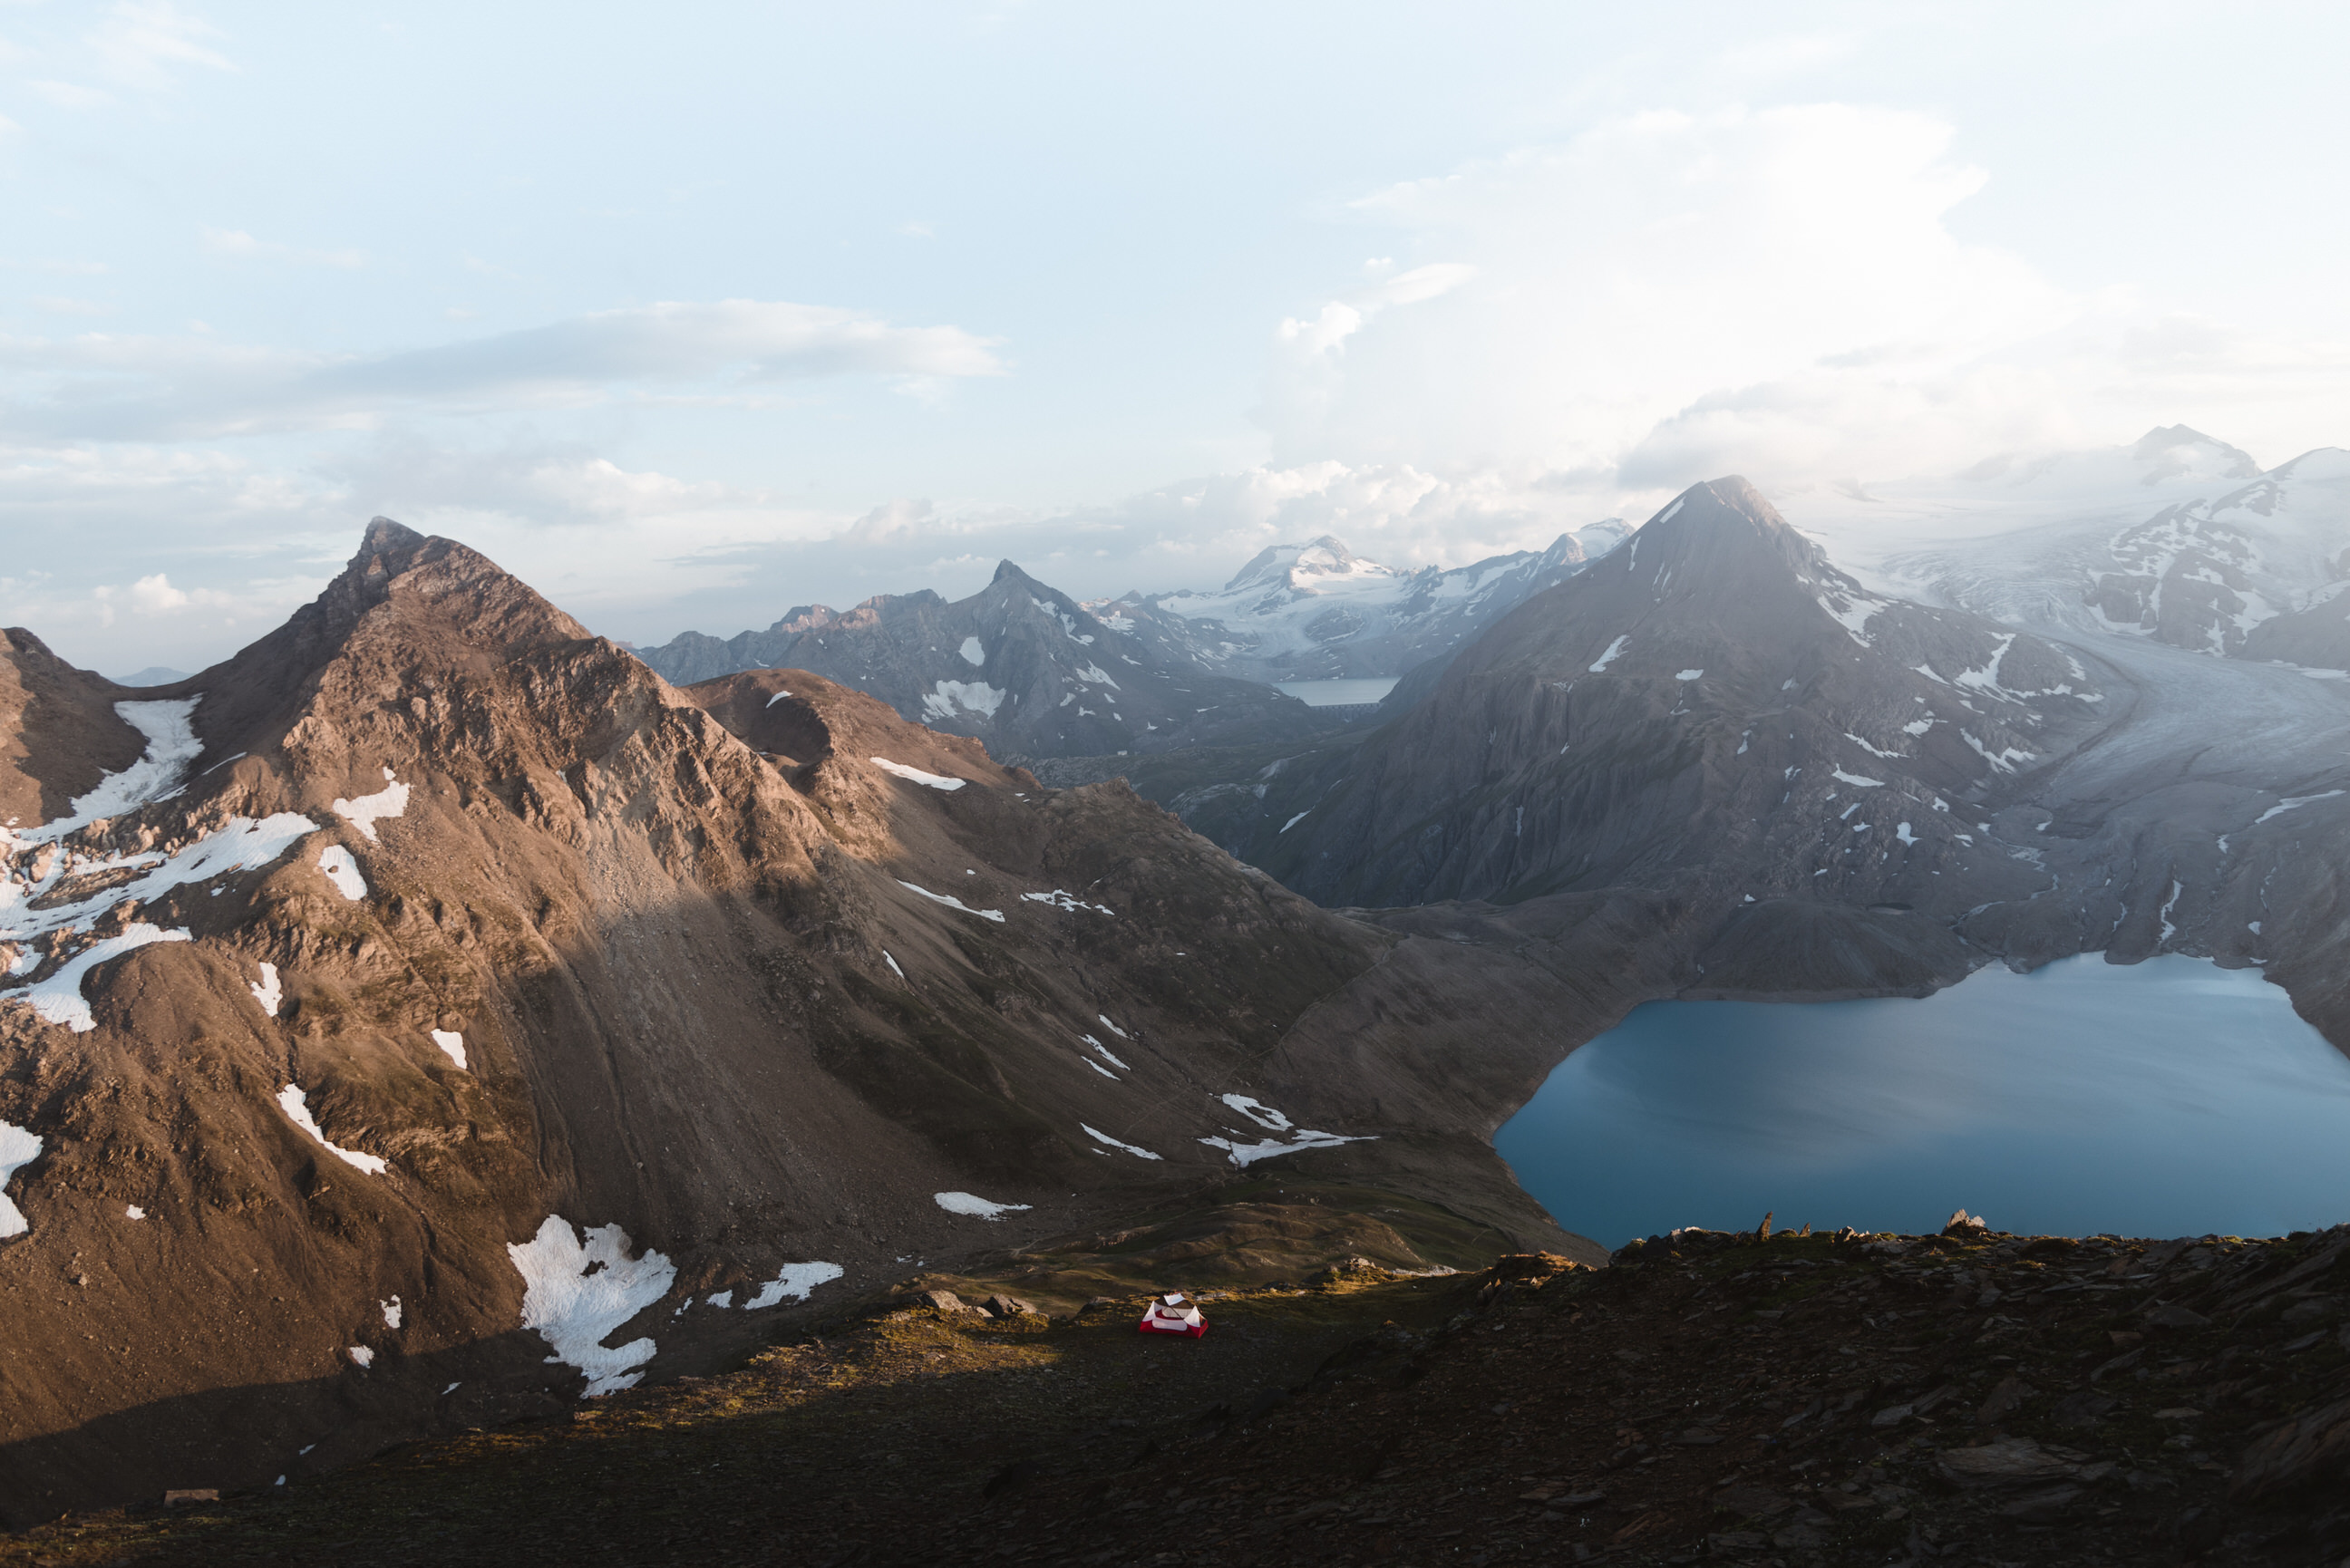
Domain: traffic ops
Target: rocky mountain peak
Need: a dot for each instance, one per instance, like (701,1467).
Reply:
(1294,566)
(2180,451)
(1722,541)
(383,534)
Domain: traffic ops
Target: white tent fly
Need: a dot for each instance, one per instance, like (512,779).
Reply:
(1174,1314)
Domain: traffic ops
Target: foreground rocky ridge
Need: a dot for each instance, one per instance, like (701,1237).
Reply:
(432,986)
(1970,1397)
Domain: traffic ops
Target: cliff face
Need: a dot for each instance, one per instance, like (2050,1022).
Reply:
(431,1013)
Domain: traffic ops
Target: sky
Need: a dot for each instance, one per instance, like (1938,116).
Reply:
(694,315)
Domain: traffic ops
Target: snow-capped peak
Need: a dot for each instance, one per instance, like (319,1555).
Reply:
(1308,569)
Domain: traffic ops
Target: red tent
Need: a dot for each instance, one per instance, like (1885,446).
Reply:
(1174,1314)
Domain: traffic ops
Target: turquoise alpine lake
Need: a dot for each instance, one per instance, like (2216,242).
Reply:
(2170,1097)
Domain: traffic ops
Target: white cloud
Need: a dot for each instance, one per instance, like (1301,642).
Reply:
(1652,289)
(156,593)
(140,41)
(106,386)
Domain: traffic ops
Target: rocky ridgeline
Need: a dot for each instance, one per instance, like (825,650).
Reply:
(1736,1397)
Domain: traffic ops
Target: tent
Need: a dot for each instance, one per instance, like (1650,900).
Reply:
(1174,1314)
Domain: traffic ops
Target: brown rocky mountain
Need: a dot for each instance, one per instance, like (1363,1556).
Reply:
(1020,666)
(429,1012)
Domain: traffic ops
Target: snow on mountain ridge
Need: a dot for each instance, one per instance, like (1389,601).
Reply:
(1317,610)
(2178,537)
(1301,568)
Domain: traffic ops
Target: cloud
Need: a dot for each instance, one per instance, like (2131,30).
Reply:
(1343,318)
(236,243)
(105,387)
(1797,258)
(140,42)
(156,593)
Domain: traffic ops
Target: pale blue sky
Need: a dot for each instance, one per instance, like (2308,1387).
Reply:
(692,314)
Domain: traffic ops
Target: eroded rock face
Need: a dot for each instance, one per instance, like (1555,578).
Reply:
(451,989)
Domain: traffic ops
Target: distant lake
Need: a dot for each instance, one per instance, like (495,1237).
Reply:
(2165,1098)
(1335,693)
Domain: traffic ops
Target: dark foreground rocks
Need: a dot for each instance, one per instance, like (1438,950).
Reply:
(1721,1398)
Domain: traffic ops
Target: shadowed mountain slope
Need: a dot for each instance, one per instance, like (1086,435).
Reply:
(1712,699)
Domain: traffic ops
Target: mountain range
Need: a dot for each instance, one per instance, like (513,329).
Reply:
(1867,793)
(431,1013)
(1317,611)
(1034,673)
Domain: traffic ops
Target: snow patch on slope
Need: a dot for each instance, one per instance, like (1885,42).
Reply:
(794,1283)
(18,1149)
(58,999)
(953,903)
(2293,803)
(574,1309)
(1060,899)
(291,1100)
(916,775)
(1271,1120)
(1105,1137)
(974,1205)
(171,745)
(363,813)
(975,696)
(343,872)
(268,990)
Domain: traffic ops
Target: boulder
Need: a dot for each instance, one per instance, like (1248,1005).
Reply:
(944,1302)
(2304,1452)
(2170,1314)
(1514,1267)
(2016,1461)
